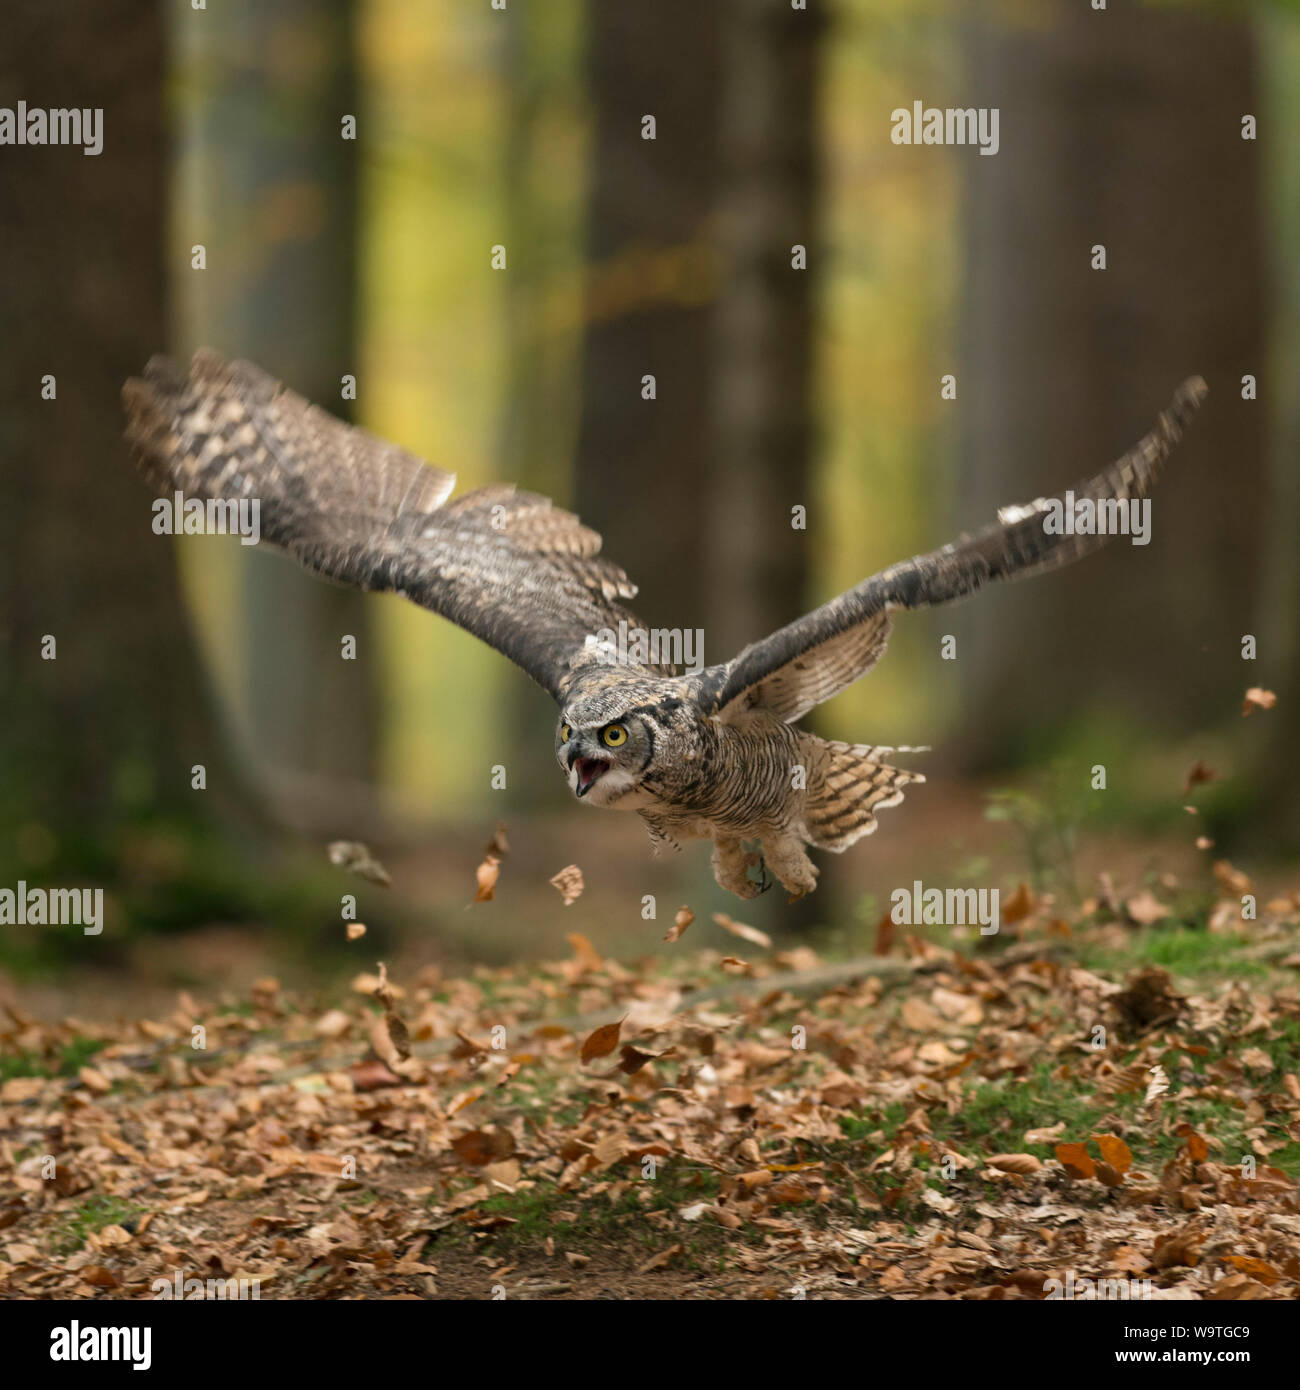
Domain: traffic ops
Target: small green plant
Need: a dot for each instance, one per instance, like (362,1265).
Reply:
(1049,828)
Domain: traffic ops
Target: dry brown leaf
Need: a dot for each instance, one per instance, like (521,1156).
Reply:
(1018,906)
(662,1258)
(1115,1151)
(683,920)
(886,930)
(1014,1163)
(634,1057)
(1256,1269)
(1257,698)
(1196,774)
(1074,1158)
(585,954)
(1181,1248)
(601,1042)
(94,1079)
(486,876)
(478,1147)
(372,1074)
(569,884)
(1144,908)
(498,846)
(742,930)
(1230,879)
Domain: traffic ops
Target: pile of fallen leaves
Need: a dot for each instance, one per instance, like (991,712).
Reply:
(925,1123)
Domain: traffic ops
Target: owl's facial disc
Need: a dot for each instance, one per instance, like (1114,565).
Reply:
(603,759)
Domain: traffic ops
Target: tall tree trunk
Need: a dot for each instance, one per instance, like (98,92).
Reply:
(756,563)
(643,465)
(692,237)
(103,736)
(1119,128)
(276,209)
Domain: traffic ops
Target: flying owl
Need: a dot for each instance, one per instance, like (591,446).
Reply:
(715,754)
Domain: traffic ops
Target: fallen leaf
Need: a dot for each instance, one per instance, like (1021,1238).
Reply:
(1144,908)
(356,858)
(1256,1269)
(498,846)
(1018,906)
(1196,774)
(1115,1151)
(1014,1163)
(569,884)
(486,876)
(745,932)
(1231,880)
(478,1147)
(372,1074)
(602,1042)
(662,1258)
(634,1057)
(1074,1158)
(683,920)
(1257,698)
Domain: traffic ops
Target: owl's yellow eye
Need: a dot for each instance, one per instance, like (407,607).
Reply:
(565,731)
(614,736)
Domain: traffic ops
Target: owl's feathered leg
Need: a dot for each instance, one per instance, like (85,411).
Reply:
(789,861)
(659,836)
(731,868)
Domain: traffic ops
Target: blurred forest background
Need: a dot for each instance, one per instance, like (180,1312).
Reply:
(522,127)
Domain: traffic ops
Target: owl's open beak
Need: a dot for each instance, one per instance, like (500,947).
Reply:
(590,771)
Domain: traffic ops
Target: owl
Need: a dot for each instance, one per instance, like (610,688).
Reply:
(715,753)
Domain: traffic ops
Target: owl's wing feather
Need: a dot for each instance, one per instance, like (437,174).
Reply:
(507,566)
(820,654)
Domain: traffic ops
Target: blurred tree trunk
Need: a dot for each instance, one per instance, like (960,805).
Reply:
(103,737)
(1123,129)
(539,425)
(756,562)
(643,466)
(691,240)
(276,207)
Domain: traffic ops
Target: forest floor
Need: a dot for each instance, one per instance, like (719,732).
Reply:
(1108,1094)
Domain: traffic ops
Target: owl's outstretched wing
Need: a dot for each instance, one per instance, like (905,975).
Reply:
(819,654)
(507,566)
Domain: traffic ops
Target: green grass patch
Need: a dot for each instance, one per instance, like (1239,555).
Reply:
(93,1215)
(71,1057)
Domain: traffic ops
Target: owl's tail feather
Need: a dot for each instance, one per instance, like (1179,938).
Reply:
(851,785)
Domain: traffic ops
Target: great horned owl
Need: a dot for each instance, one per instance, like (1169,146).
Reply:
(713,754)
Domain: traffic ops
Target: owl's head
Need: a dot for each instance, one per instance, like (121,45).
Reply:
(604,753)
